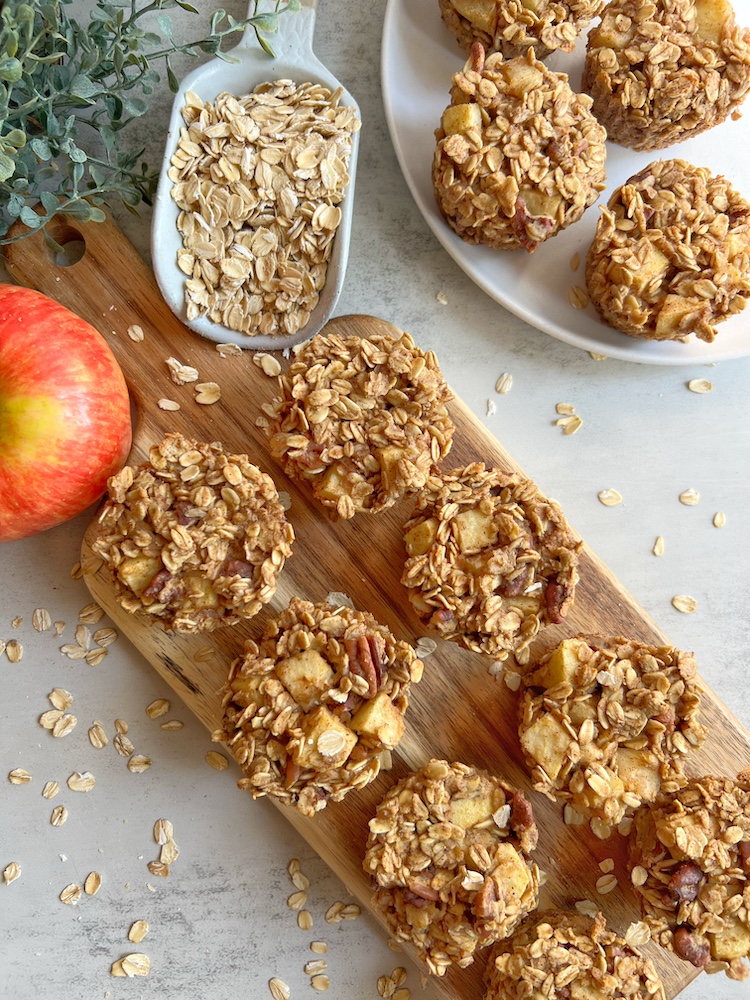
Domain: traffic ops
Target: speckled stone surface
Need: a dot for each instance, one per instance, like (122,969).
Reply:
(220,925)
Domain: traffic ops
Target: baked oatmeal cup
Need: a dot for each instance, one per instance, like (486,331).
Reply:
(664,71)
(363,421)
(490,561)
(309,711)
(690,863)
(195,538)
(578,956)
(519,155)
(448,854)
(511,27)
(605,723)
(671,254)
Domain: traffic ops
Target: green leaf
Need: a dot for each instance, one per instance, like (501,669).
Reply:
(40,147)
(84,87)
(165,24)
(78,155)
(135,107)
(265,22)
(174,83)
(187,6)
(50,202)
(29,217)
(15,138)
(7,167)
(11,70)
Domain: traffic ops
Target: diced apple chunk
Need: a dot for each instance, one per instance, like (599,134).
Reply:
(547,741)
(654,265)
(198,588)
(335,484)
(710,18)
(389,457)
(460,118)
(326,741)
(481,13)
(540,205)
(468,812)
(138,572)
(419,540)
(733,941)
(520,77)
(306,676)
(380,719)
(475,530)
(639,772)
(565,663)
(511,871)
(674,309)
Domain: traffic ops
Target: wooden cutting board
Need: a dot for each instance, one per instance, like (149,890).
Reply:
(458,712)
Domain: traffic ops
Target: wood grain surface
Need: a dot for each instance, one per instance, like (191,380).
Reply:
(458,712)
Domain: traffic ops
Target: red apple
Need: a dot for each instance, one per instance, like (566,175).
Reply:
(64,413)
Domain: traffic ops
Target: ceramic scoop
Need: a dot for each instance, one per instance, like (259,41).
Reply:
(294,60)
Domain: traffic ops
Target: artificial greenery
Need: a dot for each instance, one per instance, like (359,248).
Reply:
(63,83)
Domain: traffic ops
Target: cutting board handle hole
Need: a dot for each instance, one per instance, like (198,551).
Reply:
(72,243)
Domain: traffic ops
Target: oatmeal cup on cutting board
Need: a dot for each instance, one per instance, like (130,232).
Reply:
(458,712)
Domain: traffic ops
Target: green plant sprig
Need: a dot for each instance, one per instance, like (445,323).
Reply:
(62,81)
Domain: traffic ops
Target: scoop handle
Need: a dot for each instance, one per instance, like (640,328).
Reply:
(294,38)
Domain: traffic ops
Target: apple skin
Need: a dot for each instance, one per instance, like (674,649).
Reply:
(65,423)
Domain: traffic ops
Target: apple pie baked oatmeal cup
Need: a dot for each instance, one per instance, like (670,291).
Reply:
(605,723)
(519,155)
(671,253)
(309,711)
(490,561)
(579,955)
(448,854)
(513,26)
(690,863)
(663,71)
(195,538)
(363,421)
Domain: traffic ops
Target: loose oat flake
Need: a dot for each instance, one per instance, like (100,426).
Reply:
(610,498)
(268,364)
(320,982)
(442,298)
(491,408)
(606,884)
(157,708)
(81,781)
(227,350)
(64,726)
(41,620)
(207,393)
(700,385)
(136,965)
(11,872)
(658,548)
(97,736)
(91,614)
(59,815)
(597,357)
(279,989)
(504,384)
(217,760)
(173,726)
(51,789)
(135,332)
(720,519)
(158,868)
(578,297)
(138,931)
(167,404)
(684,603)
(71,894)
(60,698)
(304,920)
(690,497)
(163,831)
(93,883)
(181,374)
(19,777)
(139,763)
(14,651)
(319,947)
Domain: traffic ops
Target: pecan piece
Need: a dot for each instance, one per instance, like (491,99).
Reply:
(556,597)
(163,587)
(522,821)
(423,892)
(239,567)
(685,881)
(744,849)
(486,900)
(692,948)
(361,663)
(181,509)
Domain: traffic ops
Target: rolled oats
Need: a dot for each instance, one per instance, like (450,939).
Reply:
(604,723)
(671,253)
(308,712)
(11,872)
(18,776)
(519,155)
(719,520)
(574,953)
(490,561)
(512,26)
(694,847)
(663,71)
(363,421)
(195,538)
(258,180)
(430,831)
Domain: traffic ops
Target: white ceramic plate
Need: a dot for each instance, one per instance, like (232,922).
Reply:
(418,59)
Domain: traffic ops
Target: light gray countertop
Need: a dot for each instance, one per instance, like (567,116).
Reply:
(220,924)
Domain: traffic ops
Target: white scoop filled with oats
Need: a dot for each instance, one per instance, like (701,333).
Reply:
(253,213)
